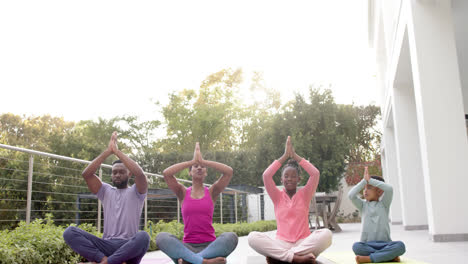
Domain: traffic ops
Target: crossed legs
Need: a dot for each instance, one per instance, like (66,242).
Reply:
(378,251)
(112,251)
(302,251)
(214,252)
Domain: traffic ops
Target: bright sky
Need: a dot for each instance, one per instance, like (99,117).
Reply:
(84,59)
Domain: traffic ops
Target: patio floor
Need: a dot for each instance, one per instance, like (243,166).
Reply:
(418,247)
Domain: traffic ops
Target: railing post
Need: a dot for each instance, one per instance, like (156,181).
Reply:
(259,208)
(146,211)
(77,214)
(235,206)
(178,210)
(99,206)
(29,193)
(221,206)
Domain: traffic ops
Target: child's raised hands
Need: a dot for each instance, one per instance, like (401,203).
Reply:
(366,174)
(289,150)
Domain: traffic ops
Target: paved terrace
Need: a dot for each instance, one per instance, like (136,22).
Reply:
(418,247)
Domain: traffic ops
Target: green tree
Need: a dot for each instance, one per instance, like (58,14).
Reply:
(33,132)
(55,180)
(360,123)
(207,115)
(256,116)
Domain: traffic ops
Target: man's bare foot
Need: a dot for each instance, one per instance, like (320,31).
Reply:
(181,261)
(218,260)
(363,259)
(103,260)
(307,259)
(397,259)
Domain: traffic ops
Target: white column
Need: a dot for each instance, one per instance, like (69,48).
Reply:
(439,106)
(460,11)
(409,167)
(391,175)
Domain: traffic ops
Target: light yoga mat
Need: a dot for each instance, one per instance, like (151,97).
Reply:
(155,260)
(159,260)
(348,257)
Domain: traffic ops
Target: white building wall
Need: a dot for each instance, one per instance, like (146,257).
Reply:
(460,18)
(437,40)
(381,59)
(440,111)
(390,174)
(411,180)
(346,206)
(392,10)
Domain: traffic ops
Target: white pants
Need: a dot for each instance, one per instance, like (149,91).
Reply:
(282,250)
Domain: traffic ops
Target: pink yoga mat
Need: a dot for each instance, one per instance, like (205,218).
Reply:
(154,260)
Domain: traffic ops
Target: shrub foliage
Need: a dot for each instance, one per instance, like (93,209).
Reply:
(42,242)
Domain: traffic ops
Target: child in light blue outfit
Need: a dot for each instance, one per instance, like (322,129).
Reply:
(376,244)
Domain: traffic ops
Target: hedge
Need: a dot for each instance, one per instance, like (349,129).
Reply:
(42,242)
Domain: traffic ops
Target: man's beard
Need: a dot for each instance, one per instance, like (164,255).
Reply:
(121,185)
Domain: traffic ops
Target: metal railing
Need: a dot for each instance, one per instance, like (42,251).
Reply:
(34,184)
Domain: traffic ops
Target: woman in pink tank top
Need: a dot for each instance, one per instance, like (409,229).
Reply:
(199,245)
(294,243)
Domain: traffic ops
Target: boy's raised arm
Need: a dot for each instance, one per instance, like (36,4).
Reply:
(352,195)
(387,188)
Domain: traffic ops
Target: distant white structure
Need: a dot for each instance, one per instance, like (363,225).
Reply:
(421,49)
(260,207)
(254,208)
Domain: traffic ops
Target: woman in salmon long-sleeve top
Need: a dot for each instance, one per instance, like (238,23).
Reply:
(294,242)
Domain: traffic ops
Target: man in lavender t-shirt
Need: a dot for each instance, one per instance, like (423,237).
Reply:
(121,241)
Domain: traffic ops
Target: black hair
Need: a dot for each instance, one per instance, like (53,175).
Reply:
(377,178)
(291,164)
(116,161)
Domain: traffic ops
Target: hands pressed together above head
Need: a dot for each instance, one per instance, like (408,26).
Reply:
(289,152)
(112,143)
(197,156)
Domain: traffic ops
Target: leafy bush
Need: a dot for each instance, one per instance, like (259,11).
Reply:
(38,242)
(173,227)
(243,229)
(42,242)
